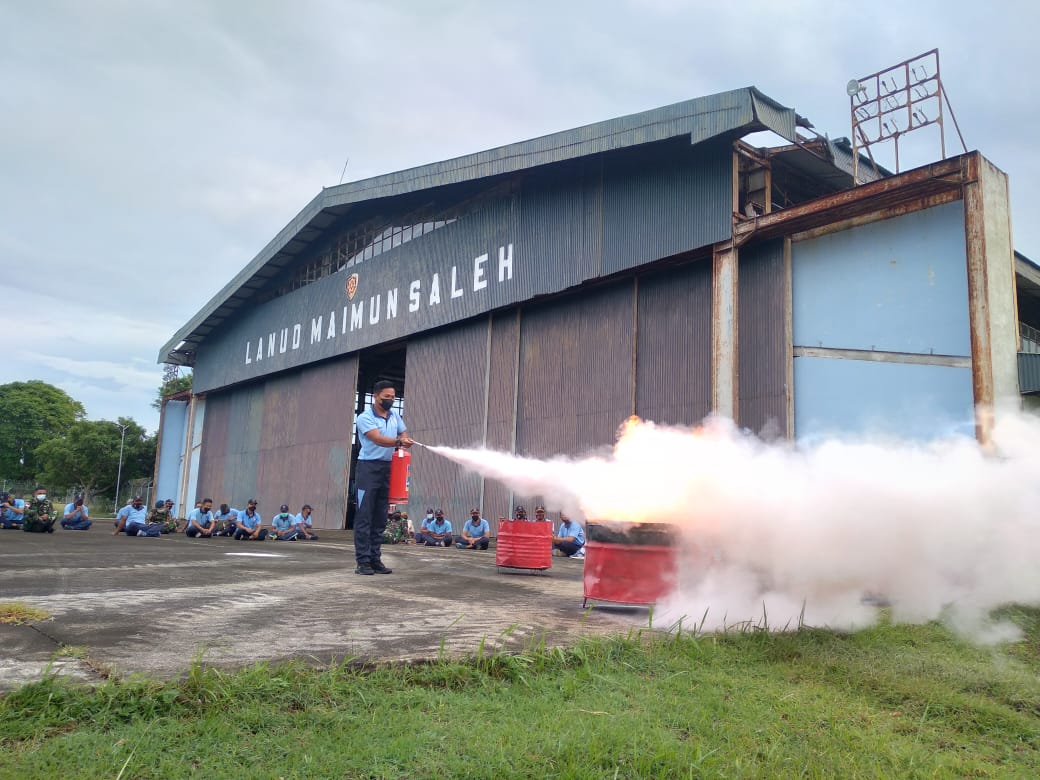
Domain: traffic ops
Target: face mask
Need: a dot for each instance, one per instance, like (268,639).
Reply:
(386,403)
(41,496)
(138,506)
(284,515)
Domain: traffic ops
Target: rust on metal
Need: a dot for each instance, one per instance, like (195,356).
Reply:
(944,176)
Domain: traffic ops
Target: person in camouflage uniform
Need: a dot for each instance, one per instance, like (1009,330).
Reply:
(163,515)
(39,514)
(396,529)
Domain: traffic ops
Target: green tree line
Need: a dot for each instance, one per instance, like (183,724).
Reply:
(45,439)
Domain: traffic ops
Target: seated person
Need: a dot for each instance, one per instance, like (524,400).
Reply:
(476,534)
(39,513)
(250,524)
(283,526)
(201,522)
(11,511)
(77,516)
(226,517)
(436,533)
(305,523)
(133,520)
(162,516)
(396,529)
(519,513)
(570,538)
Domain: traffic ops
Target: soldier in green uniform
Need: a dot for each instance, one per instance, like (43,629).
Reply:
(162,514)
(39,514)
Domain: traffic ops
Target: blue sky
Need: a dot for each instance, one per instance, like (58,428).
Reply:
(150,149)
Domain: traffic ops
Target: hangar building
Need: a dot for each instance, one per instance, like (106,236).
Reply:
(530,298)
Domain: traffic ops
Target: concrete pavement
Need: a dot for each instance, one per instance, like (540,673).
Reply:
(137,605)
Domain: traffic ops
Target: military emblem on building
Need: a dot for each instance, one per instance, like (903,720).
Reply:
(352,281)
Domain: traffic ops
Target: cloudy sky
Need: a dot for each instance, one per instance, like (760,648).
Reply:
(151,148)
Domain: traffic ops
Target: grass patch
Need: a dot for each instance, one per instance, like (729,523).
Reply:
(17,613)
(891,701)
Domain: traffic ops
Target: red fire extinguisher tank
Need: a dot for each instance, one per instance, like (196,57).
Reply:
(400,466)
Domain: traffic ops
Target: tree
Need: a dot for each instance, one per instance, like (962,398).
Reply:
(31,413)
(169,387)
(87,456)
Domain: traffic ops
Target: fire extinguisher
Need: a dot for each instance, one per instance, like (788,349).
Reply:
(400,465)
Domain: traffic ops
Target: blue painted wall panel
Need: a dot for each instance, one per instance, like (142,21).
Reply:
(174,430)
(859,396)
(899,285)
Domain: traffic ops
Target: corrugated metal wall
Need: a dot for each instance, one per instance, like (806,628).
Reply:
(501,417)
(673,366)
(444,405)
(762,354)
(286,440)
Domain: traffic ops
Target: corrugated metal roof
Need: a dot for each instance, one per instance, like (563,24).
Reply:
(739,111)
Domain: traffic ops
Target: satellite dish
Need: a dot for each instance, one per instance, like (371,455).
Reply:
(853,87)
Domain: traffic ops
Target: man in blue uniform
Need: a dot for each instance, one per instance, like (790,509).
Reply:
(12,511)
(76,516)
(476,534)
(570,538)
(380,429)
(201,523)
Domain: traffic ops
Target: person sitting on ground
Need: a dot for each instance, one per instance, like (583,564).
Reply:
(226,518)
(396,529)
(305,523)
(201,522)
(476,534)
(12,511)
(250,524)
(519,513)
(133,520)
(283,526)
(437,533)
(570,538)
(39,514)
(77,516)
(162,517)
(409,534)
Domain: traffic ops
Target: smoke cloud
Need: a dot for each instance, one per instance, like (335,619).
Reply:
(777,535)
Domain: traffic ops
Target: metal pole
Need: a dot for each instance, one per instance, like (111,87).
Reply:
(119,471)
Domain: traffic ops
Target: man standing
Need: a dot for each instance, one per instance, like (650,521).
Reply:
(476,534)
(77,516)
(570,539)
(201,523)
(380,429)
(12,511)
(39,515)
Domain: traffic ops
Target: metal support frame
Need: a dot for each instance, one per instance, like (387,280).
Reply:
(886,105)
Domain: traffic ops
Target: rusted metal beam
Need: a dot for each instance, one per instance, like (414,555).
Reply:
(907,207)
(788,342)
(879,356)
(938,177)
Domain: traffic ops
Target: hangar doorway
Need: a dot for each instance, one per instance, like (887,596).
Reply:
(387,361)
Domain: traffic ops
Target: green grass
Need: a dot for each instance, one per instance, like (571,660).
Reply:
(17,613)
(888,702)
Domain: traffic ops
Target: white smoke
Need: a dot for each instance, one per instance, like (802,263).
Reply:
(779,535)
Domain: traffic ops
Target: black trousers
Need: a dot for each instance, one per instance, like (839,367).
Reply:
(372,478)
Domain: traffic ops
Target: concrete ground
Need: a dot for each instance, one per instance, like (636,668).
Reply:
(137,605)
